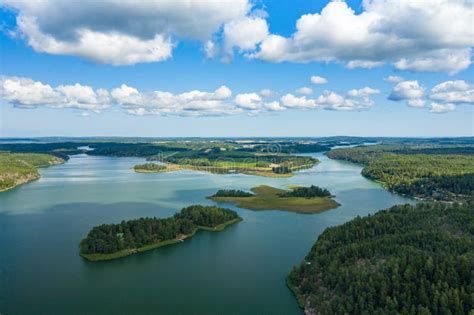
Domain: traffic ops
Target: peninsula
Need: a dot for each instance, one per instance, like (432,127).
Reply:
(20,168)
(112,241)
(298,199)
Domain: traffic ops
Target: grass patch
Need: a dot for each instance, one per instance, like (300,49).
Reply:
(268,198)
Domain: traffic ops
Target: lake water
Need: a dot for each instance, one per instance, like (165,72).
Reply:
(241,270)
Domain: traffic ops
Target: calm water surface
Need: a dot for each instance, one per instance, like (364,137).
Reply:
(241,270)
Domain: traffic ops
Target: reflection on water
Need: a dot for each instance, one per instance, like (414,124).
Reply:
(239,270)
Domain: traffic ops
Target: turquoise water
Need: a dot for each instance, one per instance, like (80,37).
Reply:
(241,270)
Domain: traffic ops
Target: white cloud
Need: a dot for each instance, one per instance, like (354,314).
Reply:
(126,95)
(442,108)
(412,35)
(417,102)
(248,100)
(443,60)
(267,93)
(315,79)
(192,103)
(121,32)
(274,106)
(26,93)
(245,33)
(444,96)
(393,79)
(333,101)
(305,90)
(364,92)
(210,49)
(291,101)
(458,91)
(409,91)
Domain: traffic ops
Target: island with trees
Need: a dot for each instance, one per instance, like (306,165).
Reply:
(409,259)
(298,199)
(21,168)
(150,168)
(433,172)
(219,160)
(112,241)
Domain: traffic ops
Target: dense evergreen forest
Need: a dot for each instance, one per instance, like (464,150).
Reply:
(133,234)
(232,193)
(409,259)
(307,192)
(428,172)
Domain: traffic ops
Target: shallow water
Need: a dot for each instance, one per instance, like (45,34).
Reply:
(241,270)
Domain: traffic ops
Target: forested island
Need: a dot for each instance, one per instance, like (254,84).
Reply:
(409,259)
(20,168)
(220,160)
(112,241)
(444,173)
(298,199)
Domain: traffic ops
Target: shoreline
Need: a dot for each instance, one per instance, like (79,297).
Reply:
(29,179)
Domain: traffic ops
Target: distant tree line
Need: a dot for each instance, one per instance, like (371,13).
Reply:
(307,192)
(409,259)
(110,238)
(149,167)
(232,193)
(429,172)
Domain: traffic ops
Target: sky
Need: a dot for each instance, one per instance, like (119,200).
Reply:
(236,68)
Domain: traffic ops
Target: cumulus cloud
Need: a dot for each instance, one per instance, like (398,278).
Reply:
(316,79)
(364,92)
(291,101)
(443,96)
(248,100)
(458,91)
(409,91)
(26,93)
(122,32)
(305,90)
(442,108)
(192,103)
(245,33)
(274,106)
(357,101)
(411,35)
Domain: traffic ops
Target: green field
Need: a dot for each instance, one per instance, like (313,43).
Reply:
(20,168)
(268,198)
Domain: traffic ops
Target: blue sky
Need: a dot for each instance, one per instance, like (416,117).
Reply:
(35,72)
